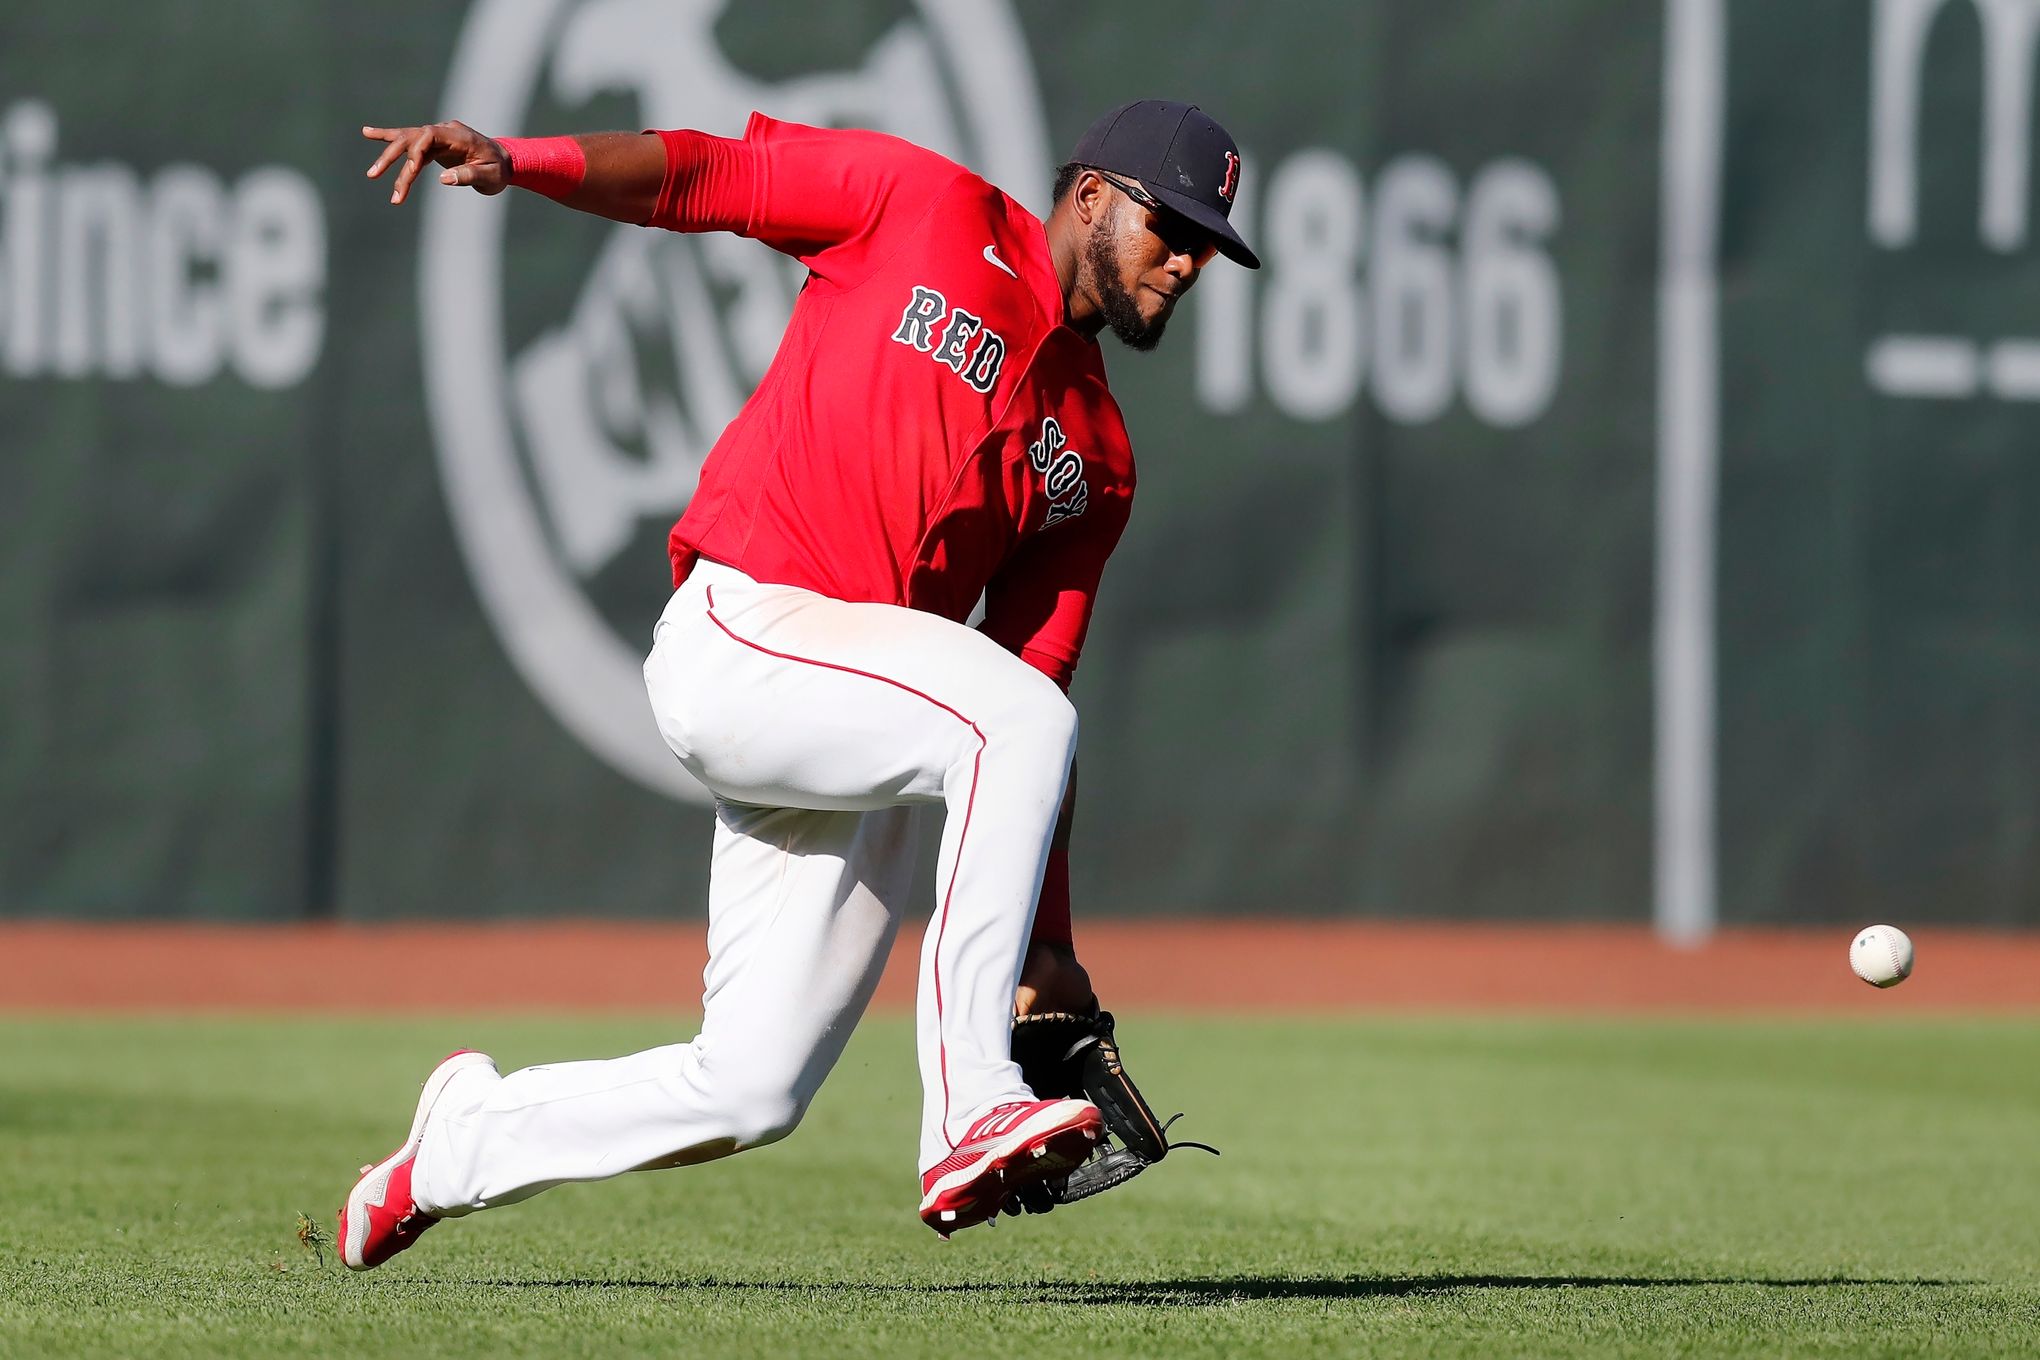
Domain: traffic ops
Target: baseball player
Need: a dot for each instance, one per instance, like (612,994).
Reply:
(935,428)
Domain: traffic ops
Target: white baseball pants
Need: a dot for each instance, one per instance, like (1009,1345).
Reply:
(820,726)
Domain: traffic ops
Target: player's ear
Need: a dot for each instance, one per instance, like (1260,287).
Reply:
(1088,196)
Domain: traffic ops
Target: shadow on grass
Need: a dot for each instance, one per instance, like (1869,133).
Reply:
(1208,1292)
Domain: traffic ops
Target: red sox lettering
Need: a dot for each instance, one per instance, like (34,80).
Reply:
(924,315)
(1062,473)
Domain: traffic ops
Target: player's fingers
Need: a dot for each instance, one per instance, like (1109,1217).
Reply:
(483,176)
(414,161)
(398,140)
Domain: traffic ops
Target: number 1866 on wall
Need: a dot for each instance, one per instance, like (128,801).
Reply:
(1418,293)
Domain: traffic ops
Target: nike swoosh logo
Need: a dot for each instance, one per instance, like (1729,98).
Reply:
(992,258)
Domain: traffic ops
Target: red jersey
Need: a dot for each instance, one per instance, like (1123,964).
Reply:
(929,430)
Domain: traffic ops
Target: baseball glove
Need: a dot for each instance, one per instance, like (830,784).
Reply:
(1064,1055)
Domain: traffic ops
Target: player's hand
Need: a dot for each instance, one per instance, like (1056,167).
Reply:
(1052,980)
(469,158)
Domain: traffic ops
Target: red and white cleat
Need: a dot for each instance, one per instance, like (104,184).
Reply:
(380,1218)
(1006,1149)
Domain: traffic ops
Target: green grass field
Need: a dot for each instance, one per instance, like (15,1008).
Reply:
(1418,1188)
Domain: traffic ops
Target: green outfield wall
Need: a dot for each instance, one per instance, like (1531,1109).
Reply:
(308,608)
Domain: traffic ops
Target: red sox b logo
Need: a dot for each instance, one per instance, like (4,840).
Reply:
(1231,183)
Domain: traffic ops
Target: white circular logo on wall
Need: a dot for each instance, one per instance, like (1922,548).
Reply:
(558,450)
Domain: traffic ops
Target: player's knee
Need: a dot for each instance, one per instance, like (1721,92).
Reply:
(761,1117)
(1043,722)
(756,1093)
(1049,741)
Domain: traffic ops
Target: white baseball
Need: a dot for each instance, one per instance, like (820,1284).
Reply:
(1881,955)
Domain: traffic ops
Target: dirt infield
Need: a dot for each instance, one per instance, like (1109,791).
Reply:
(1234,965)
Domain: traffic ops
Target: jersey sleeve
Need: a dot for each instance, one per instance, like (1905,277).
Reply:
(838,200)
(1038,606)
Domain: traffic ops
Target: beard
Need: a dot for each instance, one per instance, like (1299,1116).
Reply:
(1115,303)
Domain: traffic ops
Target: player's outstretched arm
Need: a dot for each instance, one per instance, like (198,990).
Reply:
(610,174)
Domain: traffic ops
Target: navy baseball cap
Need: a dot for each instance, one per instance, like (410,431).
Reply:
(1184,159)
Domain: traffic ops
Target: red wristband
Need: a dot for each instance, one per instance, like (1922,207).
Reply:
(1052,917)
(553,166)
